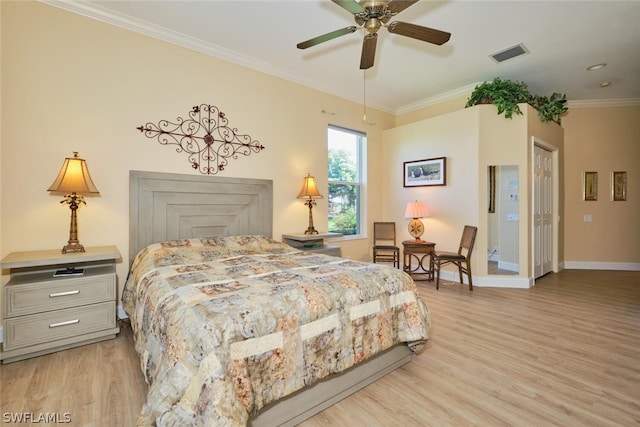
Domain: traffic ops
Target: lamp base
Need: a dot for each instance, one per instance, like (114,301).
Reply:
(73,244)
(72,247)
(311,229)
(416,229)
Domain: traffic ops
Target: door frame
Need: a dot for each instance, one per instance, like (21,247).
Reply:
(555,201)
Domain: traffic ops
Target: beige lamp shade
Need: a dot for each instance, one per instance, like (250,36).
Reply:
(309,188)
(416,210)
(74,177)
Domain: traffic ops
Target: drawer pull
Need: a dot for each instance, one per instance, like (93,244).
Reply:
(62,294)
(67,322)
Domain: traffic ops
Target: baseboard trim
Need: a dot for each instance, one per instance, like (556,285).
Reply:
(528,282)
(592,265)
(491,281)
(504,265)
(503,282)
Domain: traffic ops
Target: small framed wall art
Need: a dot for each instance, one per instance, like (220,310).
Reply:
(618,186)
(419,173)
(590,186)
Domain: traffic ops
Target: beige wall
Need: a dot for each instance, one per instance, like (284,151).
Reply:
(602,140)
(436,109)
(502,142)
(454,136)
(71,83)
(471,140)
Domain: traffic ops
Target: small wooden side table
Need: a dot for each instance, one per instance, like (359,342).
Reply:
(418,250)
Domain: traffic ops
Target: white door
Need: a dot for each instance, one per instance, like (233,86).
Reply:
(542,211)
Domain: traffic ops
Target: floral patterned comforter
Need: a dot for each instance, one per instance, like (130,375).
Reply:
(226,325)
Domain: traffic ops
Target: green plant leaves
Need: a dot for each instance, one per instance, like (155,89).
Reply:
(507,94)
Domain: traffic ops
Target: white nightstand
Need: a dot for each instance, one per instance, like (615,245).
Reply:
(44,314)
(313,242)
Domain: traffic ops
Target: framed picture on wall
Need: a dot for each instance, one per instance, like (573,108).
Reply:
(618,186)
(590,186)
(419,173)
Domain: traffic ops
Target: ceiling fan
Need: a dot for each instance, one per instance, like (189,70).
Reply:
(373,14)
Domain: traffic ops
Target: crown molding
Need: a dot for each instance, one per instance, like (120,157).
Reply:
(466,90)
(463,91)
(105,15)
(602,103)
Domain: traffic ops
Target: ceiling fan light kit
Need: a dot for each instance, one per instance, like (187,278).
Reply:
(371,15)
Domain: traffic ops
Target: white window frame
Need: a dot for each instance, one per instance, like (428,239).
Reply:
(360,183)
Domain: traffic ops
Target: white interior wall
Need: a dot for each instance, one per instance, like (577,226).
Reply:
(454,136)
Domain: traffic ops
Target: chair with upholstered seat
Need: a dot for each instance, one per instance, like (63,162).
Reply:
(384,243)
(461,259)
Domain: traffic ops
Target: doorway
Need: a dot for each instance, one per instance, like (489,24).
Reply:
(503,220)
(543,210)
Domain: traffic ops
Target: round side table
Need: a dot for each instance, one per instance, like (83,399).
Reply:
(418,250)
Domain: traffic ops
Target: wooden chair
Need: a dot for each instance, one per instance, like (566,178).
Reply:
(384,243)
(461,259)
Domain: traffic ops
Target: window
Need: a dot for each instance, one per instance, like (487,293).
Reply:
(345,148)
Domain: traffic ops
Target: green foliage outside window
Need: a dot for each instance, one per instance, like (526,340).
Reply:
(343,192)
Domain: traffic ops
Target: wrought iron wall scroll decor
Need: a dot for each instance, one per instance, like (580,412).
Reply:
(205,136)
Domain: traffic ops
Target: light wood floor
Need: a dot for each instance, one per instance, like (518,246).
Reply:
(566,353)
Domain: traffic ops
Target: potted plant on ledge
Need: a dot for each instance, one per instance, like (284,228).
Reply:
(550,108)
(504,94)
(507,94)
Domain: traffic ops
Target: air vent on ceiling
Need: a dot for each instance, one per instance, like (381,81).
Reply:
(509,53)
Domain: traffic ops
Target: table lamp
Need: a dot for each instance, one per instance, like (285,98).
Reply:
(73,178)
(310,192)
(416,210)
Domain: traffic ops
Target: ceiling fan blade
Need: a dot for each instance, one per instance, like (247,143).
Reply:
(368,50)
(326,37)
(419,32)
(350,5)
(397,6)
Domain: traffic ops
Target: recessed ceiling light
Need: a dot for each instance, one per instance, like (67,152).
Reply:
(605,84)
(596,67)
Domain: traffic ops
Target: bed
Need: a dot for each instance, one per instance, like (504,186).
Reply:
(234,328)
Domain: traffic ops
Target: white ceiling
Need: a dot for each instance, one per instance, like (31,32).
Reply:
(563,38)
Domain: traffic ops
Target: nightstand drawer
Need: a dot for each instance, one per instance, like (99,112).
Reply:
(45,327)
(32,294)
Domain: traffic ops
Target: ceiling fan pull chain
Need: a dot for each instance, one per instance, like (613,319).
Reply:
(364,95)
